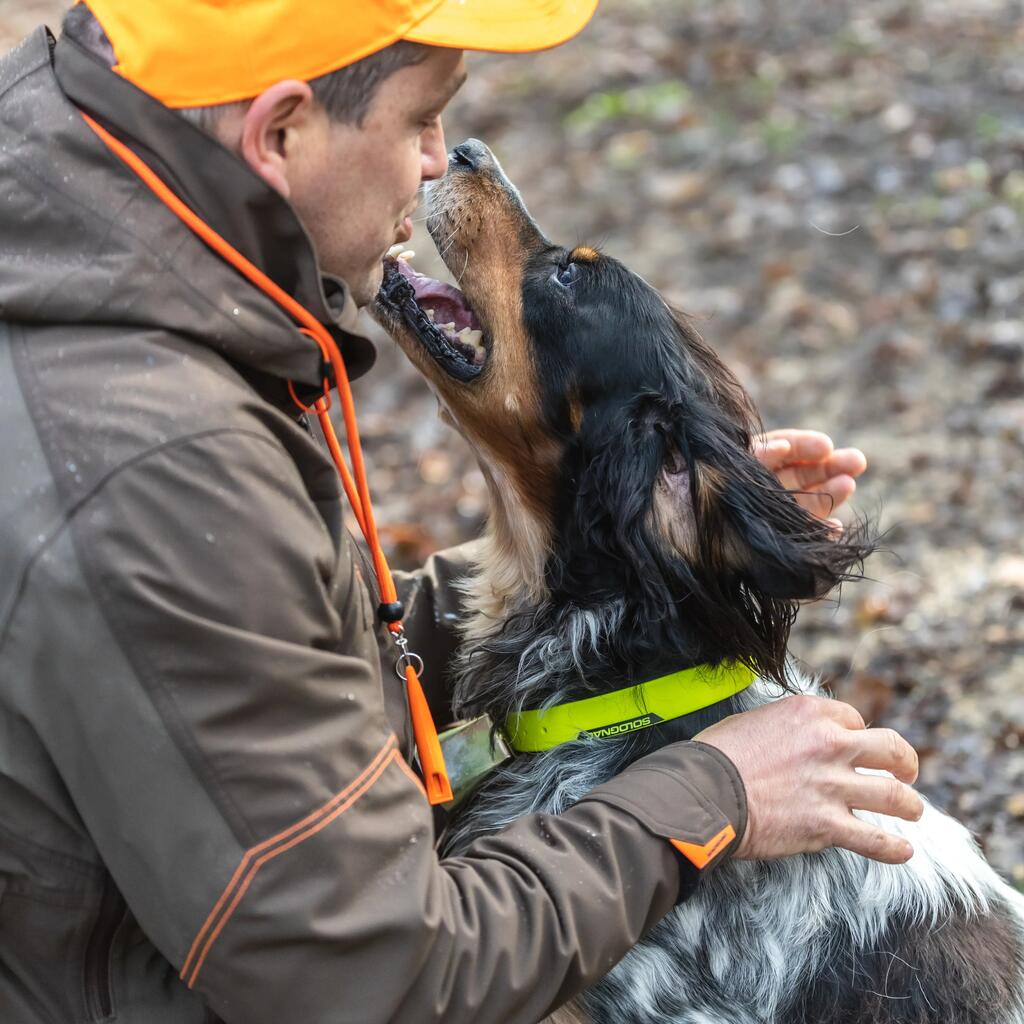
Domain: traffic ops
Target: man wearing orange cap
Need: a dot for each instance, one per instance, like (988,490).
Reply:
(206,807)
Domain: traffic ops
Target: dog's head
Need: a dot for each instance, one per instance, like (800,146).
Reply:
(615,440)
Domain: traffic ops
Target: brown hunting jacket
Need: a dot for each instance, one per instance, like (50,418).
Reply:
(206,811)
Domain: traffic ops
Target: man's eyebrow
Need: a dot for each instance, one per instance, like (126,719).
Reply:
(455,86)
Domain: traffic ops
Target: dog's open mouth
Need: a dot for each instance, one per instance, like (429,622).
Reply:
(439,316)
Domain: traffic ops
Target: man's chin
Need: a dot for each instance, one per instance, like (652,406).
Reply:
(364,290)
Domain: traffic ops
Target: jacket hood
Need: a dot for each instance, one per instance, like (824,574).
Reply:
(83,240)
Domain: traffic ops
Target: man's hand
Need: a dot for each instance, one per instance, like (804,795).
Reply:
(807,462)
(797,757)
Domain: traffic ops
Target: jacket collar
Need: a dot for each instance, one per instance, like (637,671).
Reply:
(234,201)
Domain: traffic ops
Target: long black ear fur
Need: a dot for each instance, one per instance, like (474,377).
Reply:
(754,553)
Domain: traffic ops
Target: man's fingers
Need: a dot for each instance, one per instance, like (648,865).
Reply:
(846,462)
(845,714)
(805,462)
(837,489)
(884,795)
(871,841)
(821,499)
(805,445)
(816,474)
(886,750)
(779,448)
(837,472)
(773,454)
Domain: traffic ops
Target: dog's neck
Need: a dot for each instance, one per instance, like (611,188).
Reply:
(525,648)
(544,655)
(508,568)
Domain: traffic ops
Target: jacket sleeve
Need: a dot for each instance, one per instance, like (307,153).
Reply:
(221,732)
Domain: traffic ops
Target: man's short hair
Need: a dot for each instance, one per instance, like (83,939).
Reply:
(345,94)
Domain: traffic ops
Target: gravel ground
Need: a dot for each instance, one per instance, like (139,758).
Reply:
(836,191)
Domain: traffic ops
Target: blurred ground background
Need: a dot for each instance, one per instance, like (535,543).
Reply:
(836,191)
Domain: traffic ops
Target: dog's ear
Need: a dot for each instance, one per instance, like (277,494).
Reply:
(752,549)
(666,505)
(745,523)
(744,520)
(605,546)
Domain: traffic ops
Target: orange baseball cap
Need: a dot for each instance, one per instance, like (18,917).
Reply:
(195,53)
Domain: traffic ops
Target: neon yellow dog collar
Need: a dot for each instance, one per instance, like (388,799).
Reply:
(626,711)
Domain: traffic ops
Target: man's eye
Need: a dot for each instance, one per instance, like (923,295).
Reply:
(566,275)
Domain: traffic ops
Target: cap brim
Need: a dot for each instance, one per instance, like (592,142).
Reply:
(503,26)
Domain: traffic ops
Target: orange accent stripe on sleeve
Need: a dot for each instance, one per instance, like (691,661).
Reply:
(257,864)
(249,865)
(416,780)
(701,856)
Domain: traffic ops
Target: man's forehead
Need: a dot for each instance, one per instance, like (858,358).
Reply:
(445,70)
(422,88)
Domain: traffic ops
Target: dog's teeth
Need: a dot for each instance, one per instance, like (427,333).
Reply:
(473,340)
(450,328)
(395,250)
(406,254)
(431,315)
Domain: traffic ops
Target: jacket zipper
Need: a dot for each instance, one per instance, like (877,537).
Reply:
(98,952)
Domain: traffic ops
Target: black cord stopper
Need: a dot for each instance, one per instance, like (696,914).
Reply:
(393,611)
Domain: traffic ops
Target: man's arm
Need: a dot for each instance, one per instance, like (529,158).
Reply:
(229,756)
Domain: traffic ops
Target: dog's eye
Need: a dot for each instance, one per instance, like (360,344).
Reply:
(566,275)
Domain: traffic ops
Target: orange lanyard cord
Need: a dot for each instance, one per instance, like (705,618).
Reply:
(320,407)
(355,483)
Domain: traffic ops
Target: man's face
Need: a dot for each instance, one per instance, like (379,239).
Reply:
(357,189)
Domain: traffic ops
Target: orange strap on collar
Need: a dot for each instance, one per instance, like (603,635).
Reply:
(355,484)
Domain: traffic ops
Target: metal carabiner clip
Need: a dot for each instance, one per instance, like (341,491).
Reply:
(406,658)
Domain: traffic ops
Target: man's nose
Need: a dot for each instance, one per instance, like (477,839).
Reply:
(435,159)
(471,155)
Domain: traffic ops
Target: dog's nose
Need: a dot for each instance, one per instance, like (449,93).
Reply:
(470,155)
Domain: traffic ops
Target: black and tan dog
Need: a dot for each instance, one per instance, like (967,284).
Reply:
(632,534)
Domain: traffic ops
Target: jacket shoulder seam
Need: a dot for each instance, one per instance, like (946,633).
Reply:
(75,508)
(28,72)
(178,734)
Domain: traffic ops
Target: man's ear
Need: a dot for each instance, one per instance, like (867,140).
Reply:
(271,131)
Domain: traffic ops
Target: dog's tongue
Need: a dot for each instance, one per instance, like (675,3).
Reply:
(447,302)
